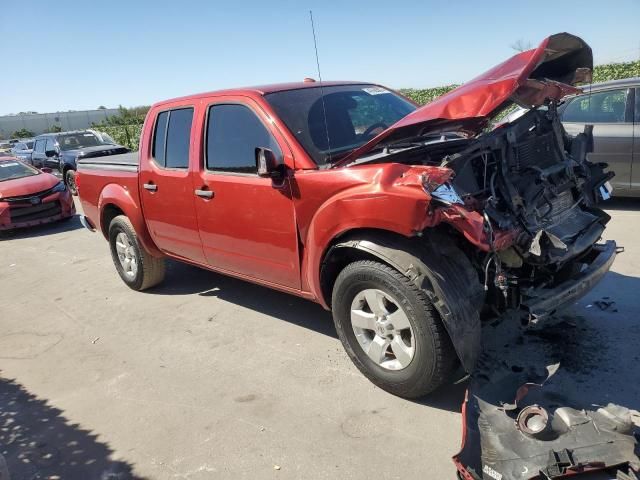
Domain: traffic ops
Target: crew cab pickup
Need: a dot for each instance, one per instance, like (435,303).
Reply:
(406,222)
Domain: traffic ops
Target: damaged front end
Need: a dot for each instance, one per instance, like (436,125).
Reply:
(522,195)
(532,180)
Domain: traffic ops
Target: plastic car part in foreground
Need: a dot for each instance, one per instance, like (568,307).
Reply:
(539,421)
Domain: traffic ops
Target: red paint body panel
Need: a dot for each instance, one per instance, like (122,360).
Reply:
(276,233)
(238,234)
(31,186)
(103,189)
(169,211)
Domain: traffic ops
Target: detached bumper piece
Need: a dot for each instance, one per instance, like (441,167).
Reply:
(540,303)
(528,415)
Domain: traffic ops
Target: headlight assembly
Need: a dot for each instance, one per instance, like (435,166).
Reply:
(445,193)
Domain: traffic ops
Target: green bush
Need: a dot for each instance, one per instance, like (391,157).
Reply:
(126,135)
(22,133)
(426,95)
(616,71)
(126,127)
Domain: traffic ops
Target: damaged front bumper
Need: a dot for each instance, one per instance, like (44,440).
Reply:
(542,302)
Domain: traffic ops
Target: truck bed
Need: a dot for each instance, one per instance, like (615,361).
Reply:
(98,177)
(125,161)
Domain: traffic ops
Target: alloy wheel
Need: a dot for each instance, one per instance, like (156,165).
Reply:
(126,255)
(382,329)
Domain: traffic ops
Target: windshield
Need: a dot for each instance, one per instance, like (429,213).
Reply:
(73,141)
(12,170)
(354,115)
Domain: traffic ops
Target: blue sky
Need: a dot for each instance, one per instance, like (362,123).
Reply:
(61,55)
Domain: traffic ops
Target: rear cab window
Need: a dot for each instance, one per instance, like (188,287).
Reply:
(172,137)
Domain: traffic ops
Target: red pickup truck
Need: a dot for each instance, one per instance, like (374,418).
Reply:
(406,222)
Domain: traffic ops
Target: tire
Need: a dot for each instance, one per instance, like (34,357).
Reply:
(434,359)
(148,272)
(70,181)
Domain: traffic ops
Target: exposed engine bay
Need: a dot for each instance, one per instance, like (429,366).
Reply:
(530,178)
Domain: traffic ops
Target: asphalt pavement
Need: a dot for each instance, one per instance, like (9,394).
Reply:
(210,377)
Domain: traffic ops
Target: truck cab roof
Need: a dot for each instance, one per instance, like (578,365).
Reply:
(261,90)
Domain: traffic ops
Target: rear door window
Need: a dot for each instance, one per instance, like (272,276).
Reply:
(234,132)
(172,137)
(159,138)
(601,107)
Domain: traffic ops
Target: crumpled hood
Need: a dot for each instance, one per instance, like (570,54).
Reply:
(528,78)
(27,185)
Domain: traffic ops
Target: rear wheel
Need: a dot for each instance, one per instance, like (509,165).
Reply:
(390,330)
(70,181)
(137,268)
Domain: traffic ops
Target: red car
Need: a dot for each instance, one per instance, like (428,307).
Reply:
(29,196)
(405,222)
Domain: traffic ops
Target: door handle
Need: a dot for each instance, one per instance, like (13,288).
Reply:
(204,193)
(152,187)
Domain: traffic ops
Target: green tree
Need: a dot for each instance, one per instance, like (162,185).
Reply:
(54,129)
(22,133)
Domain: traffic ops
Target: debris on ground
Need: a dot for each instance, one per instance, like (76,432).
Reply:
(606,304)
(530,412)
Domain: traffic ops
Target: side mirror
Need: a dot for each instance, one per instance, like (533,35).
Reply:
(46,170)
(50,153)
(268,165)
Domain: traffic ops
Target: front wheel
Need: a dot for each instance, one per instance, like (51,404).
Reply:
(137,267)
(390,330)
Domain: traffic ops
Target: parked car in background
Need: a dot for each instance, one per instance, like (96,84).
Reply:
(5,147)
(349,195)
(23,150)
(613,108)
(29,196)
(60,151)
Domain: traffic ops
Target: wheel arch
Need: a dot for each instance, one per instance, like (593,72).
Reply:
(351,246)
(114,200)
(440,269)
(108,213)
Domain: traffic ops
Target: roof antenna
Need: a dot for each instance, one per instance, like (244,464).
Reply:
(324,108)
